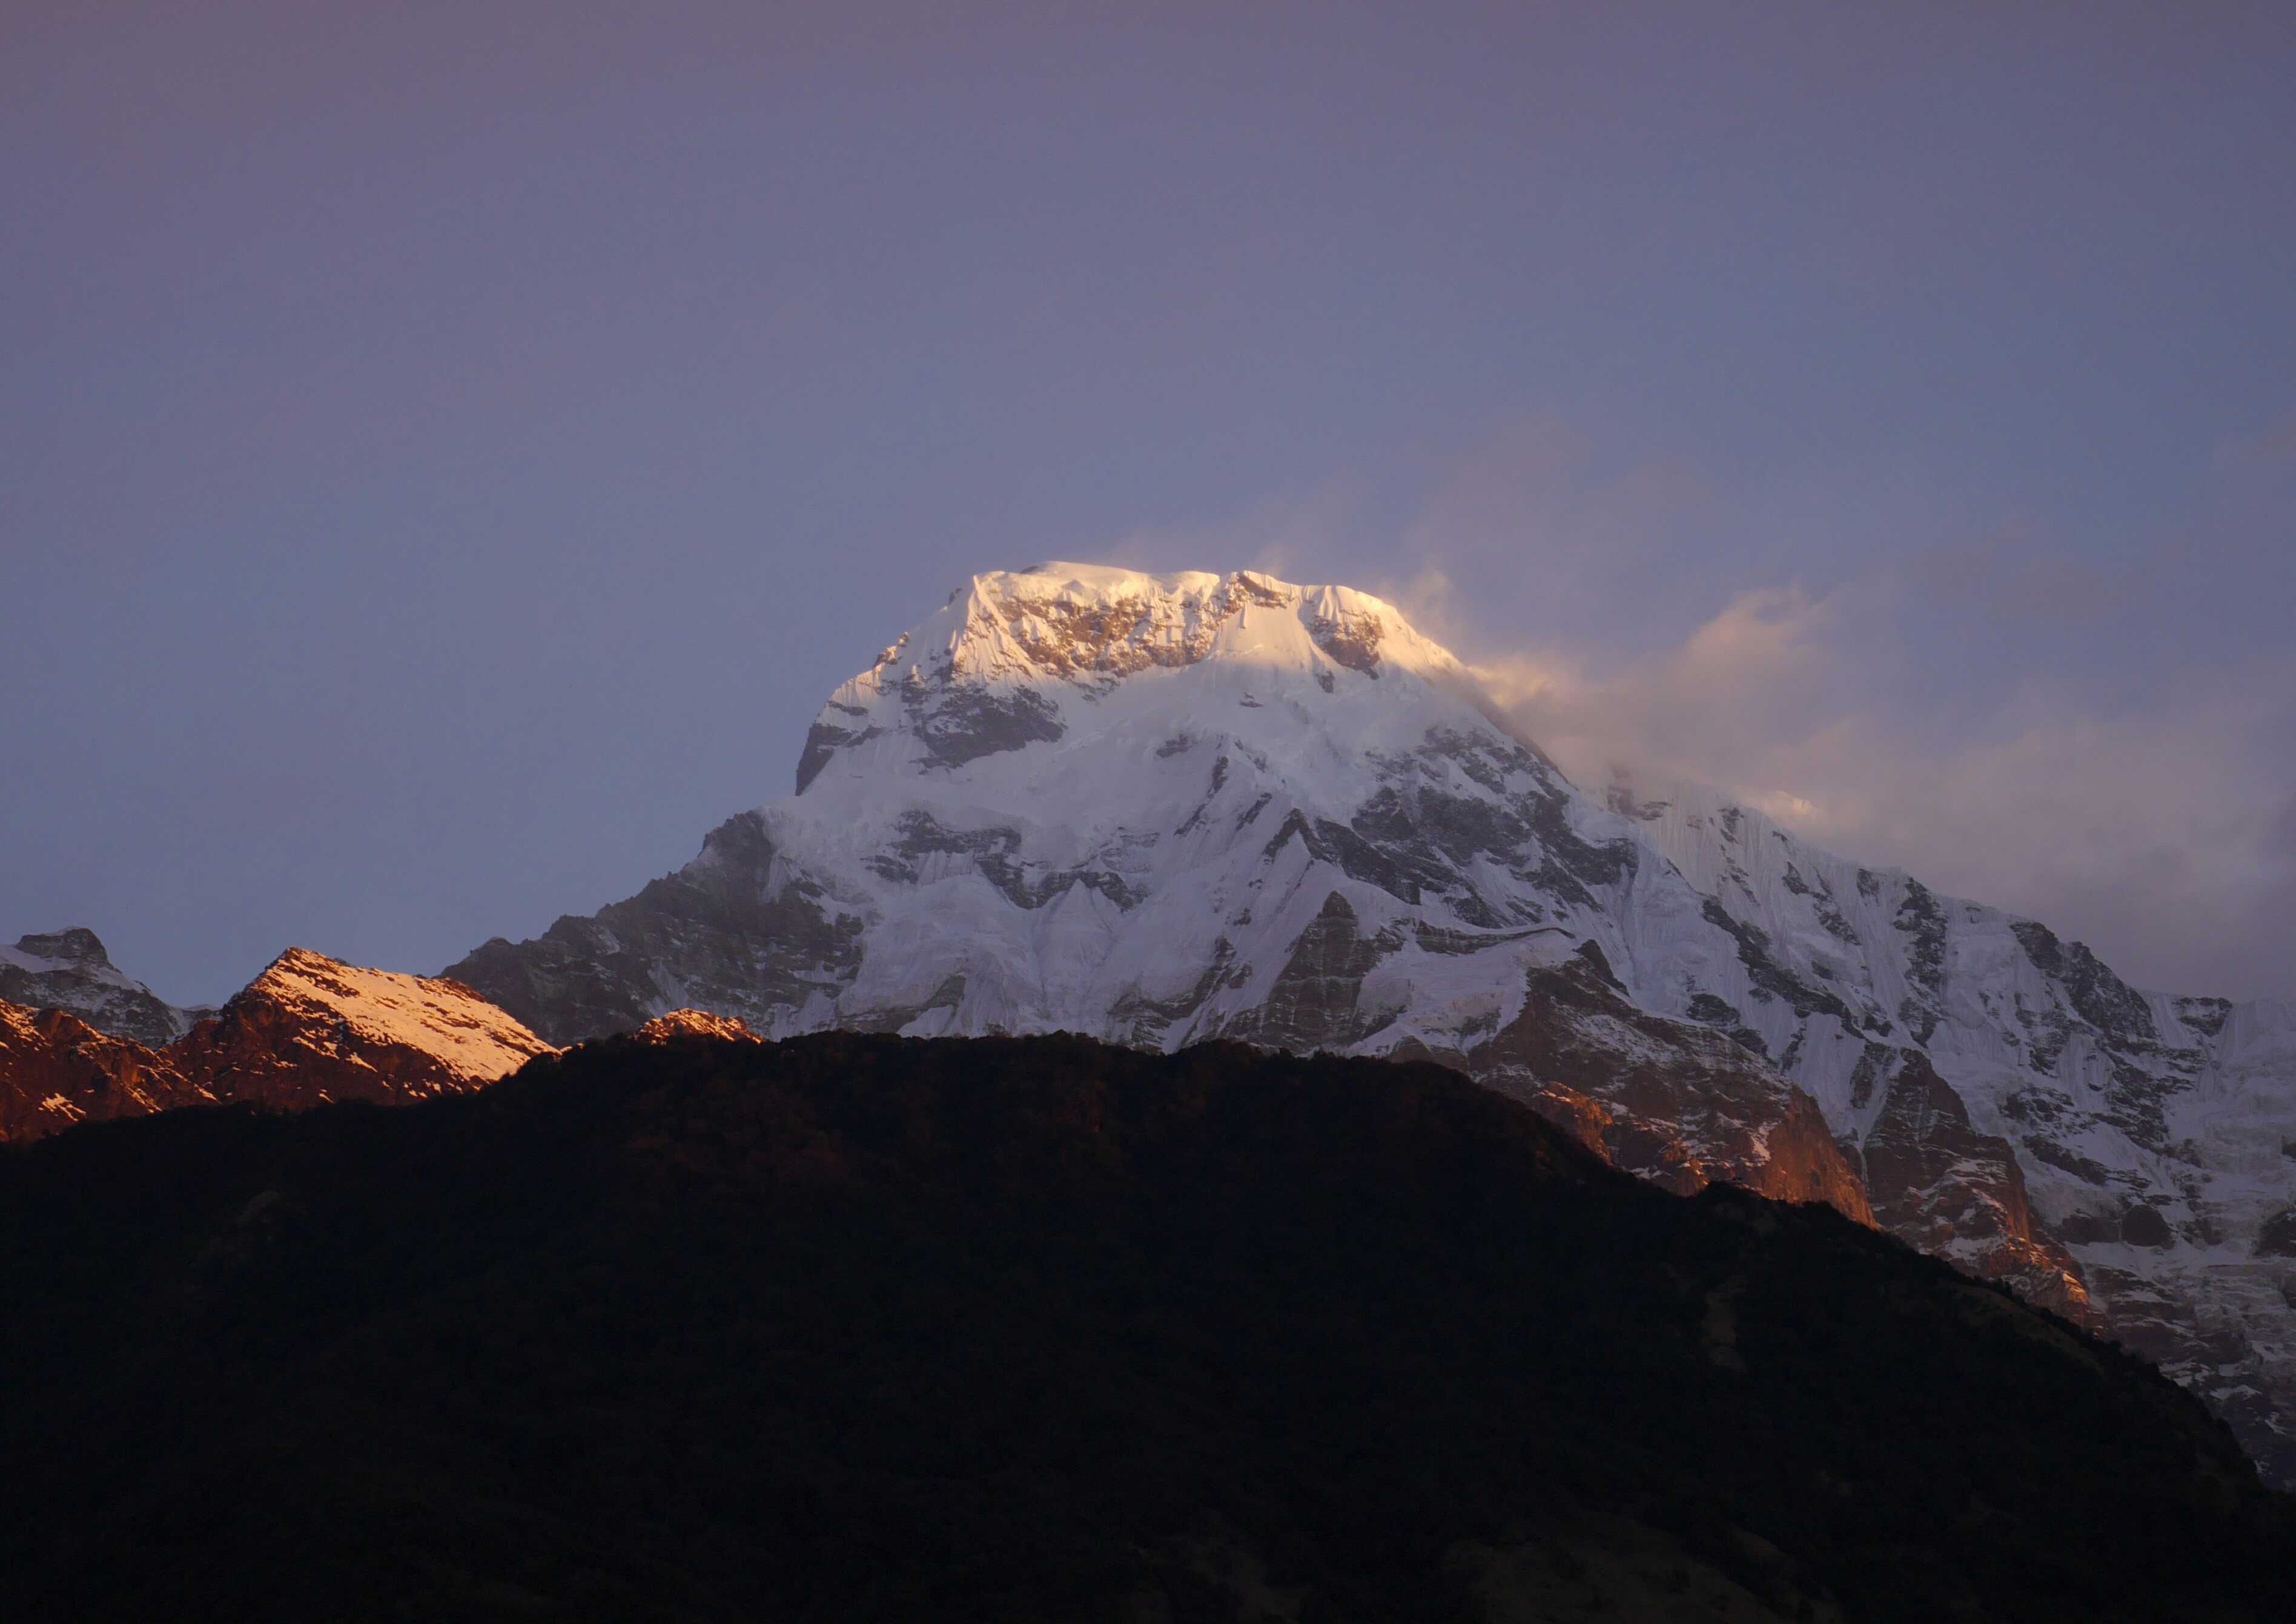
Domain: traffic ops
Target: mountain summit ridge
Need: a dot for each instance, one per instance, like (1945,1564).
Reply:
(989,671)
(308,1031)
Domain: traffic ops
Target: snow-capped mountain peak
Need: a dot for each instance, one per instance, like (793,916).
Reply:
(463,1040)
(1158,808)
(307,1032)
(1084,623)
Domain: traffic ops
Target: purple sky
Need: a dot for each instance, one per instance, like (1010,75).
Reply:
(449,451)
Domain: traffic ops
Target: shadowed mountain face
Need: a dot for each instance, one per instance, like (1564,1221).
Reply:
(686,1325)
(1163,808)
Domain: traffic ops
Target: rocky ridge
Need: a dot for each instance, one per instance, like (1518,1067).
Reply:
(1160,808)
(307,1032)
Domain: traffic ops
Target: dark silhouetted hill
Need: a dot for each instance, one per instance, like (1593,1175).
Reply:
(865,1328)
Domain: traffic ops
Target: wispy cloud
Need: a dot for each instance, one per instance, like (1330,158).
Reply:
(2164,833)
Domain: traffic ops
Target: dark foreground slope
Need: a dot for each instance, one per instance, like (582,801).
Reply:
(865,1328)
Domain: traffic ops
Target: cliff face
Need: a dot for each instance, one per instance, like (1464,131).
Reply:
(307,1032)
(1951,1190)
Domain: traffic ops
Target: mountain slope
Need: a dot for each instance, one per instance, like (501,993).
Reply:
(307,1032)
(852,1327)
(55,1070)
(1162,809)
(2147,1133)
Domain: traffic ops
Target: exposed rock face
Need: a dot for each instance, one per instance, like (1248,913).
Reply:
(55,1070)
(1665,1099)
(1935,1181)
(683,1023)
(730,933)
(307,1032)
(1156,809)
(68,969)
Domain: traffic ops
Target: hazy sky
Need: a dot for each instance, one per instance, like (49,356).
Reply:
(448,453)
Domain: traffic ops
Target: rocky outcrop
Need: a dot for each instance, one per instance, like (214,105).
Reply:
(308,1031)
(55,1070)
(1315,1001)
(70,971)
(1665,1099)
(680,1024)
(1934,1180)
